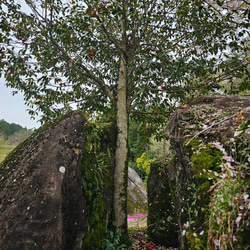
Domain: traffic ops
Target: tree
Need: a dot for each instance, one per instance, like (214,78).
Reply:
(15,128)
(9,129)
(5,128)
(133,58)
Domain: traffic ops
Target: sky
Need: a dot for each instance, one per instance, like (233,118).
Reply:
(13,108)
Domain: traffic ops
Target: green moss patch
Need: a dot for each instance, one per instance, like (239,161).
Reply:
(97,179)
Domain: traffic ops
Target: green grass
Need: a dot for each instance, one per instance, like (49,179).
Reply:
(4,150)
(6,146)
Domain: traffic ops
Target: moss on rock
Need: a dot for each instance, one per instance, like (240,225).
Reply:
(97,178)
(201,142)
(92,147)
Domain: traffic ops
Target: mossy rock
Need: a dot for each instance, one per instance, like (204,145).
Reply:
(38,196)
(97,178)
(201,144)
(205,164)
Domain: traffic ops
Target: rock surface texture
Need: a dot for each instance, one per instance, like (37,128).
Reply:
(137,194)
(205,140)
(41,192)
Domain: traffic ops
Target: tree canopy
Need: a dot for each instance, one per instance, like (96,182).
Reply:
(9,128)
(59,53)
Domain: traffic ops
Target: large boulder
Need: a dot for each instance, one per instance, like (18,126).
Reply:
(208,151)
(55,188)
(42,201)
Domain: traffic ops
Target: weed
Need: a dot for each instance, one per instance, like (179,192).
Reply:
(113,241)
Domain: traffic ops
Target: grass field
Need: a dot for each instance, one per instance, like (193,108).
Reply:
(4,150)
(6,146)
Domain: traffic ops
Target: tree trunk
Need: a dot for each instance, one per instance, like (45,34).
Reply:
(121,154)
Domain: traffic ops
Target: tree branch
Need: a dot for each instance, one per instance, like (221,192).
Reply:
(110,38)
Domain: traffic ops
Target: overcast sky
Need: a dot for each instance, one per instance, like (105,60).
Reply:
(13,109)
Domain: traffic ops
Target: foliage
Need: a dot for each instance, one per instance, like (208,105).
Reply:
(136,146)
(202,127)
(69,52)
(5,149)
(205,164)
(4,127)
(143,165)
(227,211)
(15,128)
(113,241)
(143,144)
(13,140)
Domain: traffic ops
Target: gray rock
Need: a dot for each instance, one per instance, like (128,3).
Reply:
(182,193)
(42,201)
(137,194)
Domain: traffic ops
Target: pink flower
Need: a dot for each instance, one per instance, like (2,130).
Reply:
(238,219)
(218,221)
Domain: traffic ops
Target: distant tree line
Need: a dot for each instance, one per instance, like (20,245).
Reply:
(9,128)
